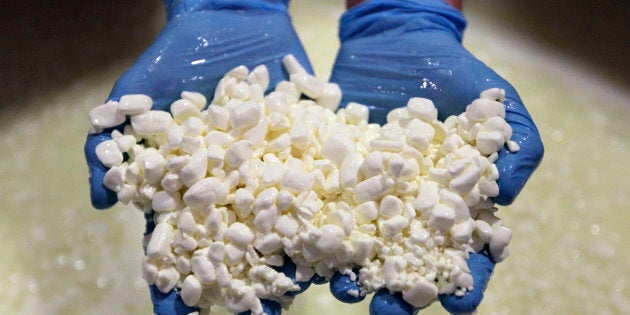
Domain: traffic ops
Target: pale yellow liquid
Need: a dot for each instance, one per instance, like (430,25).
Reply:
(569,252)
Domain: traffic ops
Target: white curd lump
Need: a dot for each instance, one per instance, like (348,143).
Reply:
(239,185)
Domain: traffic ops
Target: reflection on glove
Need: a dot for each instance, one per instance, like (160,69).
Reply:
(392,50)
(481,268)
(168,303)
(200,43)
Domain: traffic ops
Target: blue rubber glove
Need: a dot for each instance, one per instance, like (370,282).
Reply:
(481,267)
(200,43)
(202,40)
(392,50)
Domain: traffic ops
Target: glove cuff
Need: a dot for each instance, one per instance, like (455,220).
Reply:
(375,17)
(175,7)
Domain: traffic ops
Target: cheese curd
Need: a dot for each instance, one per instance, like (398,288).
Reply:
(237,187)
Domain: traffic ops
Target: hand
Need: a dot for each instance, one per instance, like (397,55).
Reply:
(394,50)
(202,40)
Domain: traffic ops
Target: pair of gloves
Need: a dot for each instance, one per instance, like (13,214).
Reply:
(391,50)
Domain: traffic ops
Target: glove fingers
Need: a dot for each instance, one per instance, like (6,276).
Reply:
(169,303)
(289,269)
(481,267)
(195,50)
(100,195)
(345,289)
(269,307)
(385,303)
